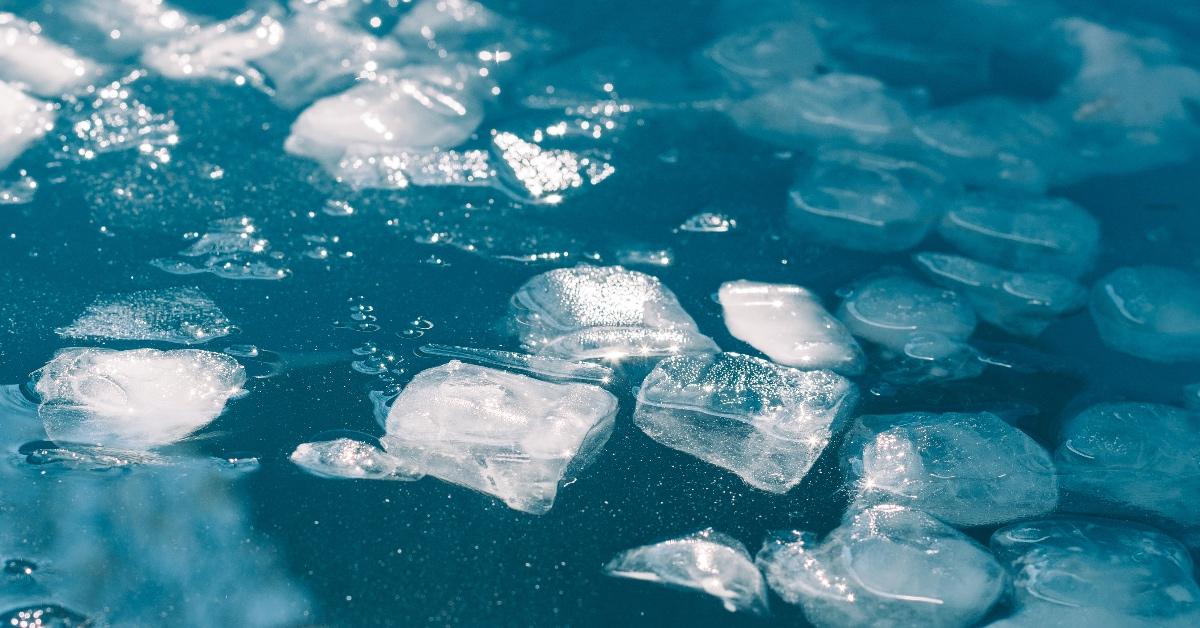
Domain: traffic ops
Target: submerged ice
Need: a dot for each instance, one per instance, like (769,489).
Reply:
(23,120)
(178,315)
(1152,312)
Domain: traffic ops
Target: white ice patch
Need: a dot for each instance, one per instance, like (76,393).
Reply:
(180,315)
(38,65)
(222,51)
(1152,312)
(347,458)
(23,120)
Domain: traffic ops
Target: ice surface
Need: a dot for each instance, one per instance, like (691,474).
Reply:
(867,201)
(542,367)
(789,325)
(885,566)
(507,435)
(765,422)
(231,248)
(1026,233)
(1019,303)
(32,62)
(1151,312)
(180,315)
(136,399)
(347,458)
(23,120)
(588,312)
(889,310)
(224,50)
(706,561)
(965,469)
(544,174)
(765,55)
(109,119)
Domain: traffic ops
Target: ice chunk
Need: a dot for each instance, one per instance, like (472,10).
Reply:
(1151,312)
(122,28)
(965,469)
(37,65)
(766,423)
(867,201)
(885,566)
(544,174)
(789,325)
(23,120)
(766,55)
(180,315)
(222,51)
(507,435)
(136,399)
(706,561)
(347,458)
(1024,232)
(110,120)
(541,367)
(590,312)
(888,310)
(1020,303)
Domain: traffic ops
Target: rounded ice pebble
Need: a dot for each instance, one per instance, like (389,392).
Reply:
(1152,312)
(136,399)
(766,55)
(866,201)
(884,566)
(889,310)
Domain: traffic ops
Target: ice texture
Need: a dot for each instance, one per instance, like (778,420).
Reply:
(889,310)
(231,248)
(23,120)
(1026,233)
(539,366)
(123,28)
(867,201)
(764,422)
(589,312)
(34,63)
(706,561)
(1019,303)
(347,458)
(789,325)
(135,399)
(884,566)
(179,315)
(765,55)
(965,469)
(503,434)
(1152,312)
(225,50)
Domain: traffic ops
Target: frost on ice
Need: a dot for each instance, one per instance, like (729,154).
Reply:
(706,561)
(23,120)
(965,469)
(589,312)
(503,434)
(765,422)
(31,61)
(136,399)
(348,458)
(789,325)
(180,315)
(884,566)
(1151,312)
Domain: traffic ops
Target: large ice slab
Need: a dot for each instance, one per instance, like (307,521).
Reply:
(965,469)
(707,561)
(31,61)
(789,325)
(180,315)
(1151,312)
(765,422)
(889,310)
(588,312)
(23,120)
(507,435)
(885,566)
(136,399)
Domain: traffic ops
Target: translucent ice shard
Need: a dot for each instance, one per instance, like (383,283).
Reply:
(347,458)
(1020,303)
(23,120)
(1151,312)
(180,315)
(867,201)
(707,561)
(765,55)
(965,469)
(589,312)
(136,399)
(766,423)
(37,65)
(889,310)
(222,51)
(1026,233)
(789,325)
(885,566)
(506,435)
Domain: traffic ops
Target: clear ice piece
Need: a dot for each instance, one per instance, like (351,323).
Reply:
(1152,312)
(347,458)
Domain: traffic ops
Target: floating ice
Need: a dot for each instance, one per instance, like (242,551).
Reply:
(1024,233)
(137,399)
(708,222)
(23,120)
(347,458)
(789,325)
(1020,303)
(542,367)
(867,201)
(109,119)
(231,249)
(965,469)
(589,312)
(707,561)
(222,51)
(507,435)
(889,310)
(885,566)
(37,65)
(18,191)
(766,55)
(366,166)
(1151,312)
(766,423)
(180,315)
(121,29)
(544,174)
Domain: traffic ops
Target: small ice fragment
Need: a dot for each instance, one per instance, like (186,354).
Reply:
(589,312)
(542,367)
(765,422)
(708,222)
(706,561)
(23,120)
(884,566)
(503,434)
(31,61)
(929,355)
(231,248)
(1019,303)
(789,325)
(889,310)
(112,120)
(1152,312)
(765,55)
(545,174)
(1024,233)
(965,469)
(136,399)
(180,315)
(367,166)
(223,51)
(346,458)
